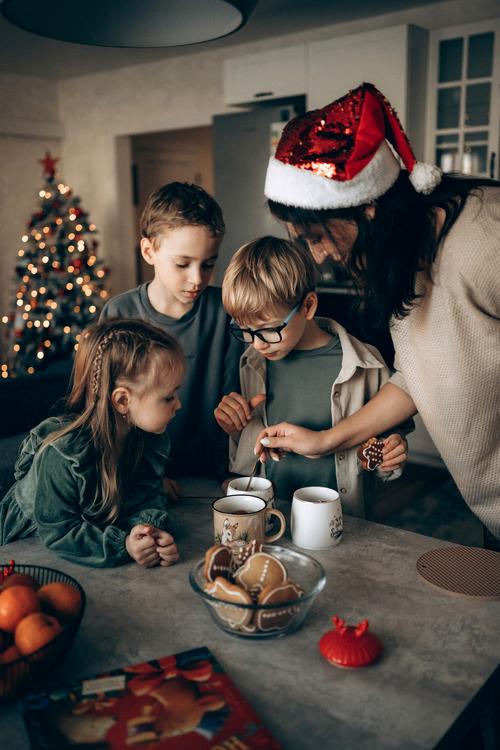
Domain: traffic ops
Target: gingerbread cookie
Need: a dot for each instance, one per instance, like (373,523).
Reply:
(277,619)
(249,629)
(370,454)
(243,552)
(259,571)
(232,594)
(217,562)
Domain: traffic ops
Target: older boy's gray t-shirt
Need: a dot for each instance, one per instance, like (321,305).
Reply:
(299,389)
(199,446)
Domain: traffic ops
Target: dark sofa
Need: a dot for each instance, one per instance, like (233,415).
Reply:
(24,402)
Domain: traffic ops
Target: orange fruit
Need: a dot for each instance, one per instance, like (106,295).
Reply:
(34,631)
(10,654)
(60,599)
(20,579)
(15,603)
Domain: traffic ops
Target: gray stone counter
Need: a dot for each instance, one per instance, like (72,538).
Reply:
(439,649)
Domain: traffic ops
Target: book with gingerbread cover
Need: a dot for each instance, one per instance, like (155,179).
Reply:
(180,702)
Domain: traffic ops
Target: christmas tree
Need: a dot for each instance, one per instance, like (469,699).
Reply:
(60,284)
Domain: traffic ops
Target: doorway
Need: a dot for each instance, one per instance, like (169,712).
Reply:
(157,158)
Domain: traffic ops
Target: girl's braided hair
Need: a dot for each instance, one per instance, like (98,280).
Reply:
(116,352)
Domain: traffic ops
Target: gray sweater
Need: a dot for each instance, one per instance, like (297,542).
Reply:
(448,354)
(199,446)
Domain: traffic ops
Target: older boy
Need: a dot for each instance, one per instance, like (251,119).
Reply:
(311,371)
(181,228)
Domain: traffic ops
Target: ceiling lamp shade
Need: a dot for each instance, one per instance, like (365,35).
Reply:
(129,23)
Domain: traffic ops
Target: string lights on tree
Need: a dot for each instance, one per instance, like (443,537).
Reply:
(60,283)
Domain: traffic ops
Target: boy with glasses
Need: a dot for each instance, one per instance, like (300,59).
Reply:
(299,368)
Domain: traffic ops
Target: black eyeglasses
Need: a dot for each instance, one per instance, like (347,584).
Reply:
(267,335)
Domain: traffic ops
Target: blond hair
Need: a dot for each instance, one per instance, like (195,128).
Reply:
(265,275)
(180,204)
(116,352)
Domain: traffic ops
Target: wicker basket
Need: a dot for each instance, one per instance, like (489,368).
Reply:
(22,674)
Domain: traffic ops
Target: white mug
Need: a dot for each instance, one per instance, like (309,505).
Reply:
(259,487)
(316,518)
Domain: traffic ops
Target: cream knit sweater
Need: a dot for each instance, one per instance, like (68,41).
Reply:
(448,354)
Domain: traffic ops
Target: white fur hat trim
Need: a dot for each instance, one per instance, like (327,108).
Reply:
(293,186)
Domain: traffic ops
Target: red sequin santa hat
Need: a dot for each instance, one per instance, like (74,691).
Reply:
(339,156)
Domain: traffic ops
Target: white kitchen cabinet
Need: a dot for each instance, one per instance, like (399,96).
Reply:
(393,59)
(463,130)
(265,75)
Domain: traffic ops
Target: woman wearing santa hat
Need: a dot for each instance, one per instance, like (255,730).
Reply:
(424,252)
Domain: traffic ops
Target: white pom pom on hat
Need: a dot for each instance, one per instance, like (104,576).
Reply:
(345,154)
(425,177)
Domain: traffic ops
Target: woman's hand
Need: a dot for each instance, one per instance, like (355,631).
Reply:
(275,441)
(141,545)
(234,412)
(395,452)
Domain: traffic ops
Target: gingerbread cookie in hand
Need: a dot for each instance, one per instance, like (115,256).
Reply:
(370,454)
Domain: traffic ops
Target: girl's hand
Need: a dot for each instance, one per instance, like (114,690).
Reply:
(395,452)
(166,547)
(235,412)
(275,441)
(141,545)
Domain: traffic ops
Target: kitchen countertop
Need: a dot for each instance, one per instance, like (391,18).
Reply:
(439,673)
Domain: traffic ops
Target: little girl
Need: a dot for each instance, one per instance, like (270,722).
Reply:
(91,484)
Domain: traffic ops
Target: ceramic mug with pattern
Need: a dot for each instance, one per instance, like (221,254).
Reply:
(258,486)
(240,518)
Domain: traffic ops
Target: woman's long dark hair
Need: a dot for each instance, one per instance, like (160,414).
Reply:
(390,249)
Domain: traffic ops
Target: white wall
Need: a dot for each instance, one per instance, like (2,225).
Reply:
(28,127)
(180,92)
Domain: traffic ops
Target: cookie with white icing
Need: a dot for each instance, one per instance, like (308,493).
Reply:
(279,618)
(370,454)
(236,617)
(217,562)
(243,552)
(259,571)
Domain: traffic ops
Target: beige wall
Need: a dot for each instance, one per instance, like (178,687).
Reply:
(28,127)
(99,112)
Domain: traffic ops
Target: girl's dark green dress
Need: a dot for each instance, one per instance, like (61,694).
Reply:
(56,484)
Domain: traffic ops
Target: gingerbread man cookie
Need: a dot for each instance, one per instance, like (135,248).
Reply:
(276,619)
(370,454)
(217,562)
(259,571)
(236,617)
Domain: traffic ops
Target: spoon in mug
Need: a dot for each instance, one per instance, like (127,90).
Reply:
(252,476)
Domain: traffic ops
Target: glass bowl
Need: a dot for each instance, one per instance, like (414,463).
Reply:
(302,569)
(20,675)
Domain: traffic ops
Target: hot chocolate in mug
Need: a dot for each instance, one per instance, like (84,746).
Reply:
(258,486)
(316,518)
(240,518)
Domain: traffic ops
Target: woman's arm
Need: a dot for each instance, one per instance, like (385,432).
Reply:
(388,408)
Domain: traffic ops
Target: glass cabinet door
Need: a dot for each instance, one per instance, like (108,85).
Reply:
(464,106)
